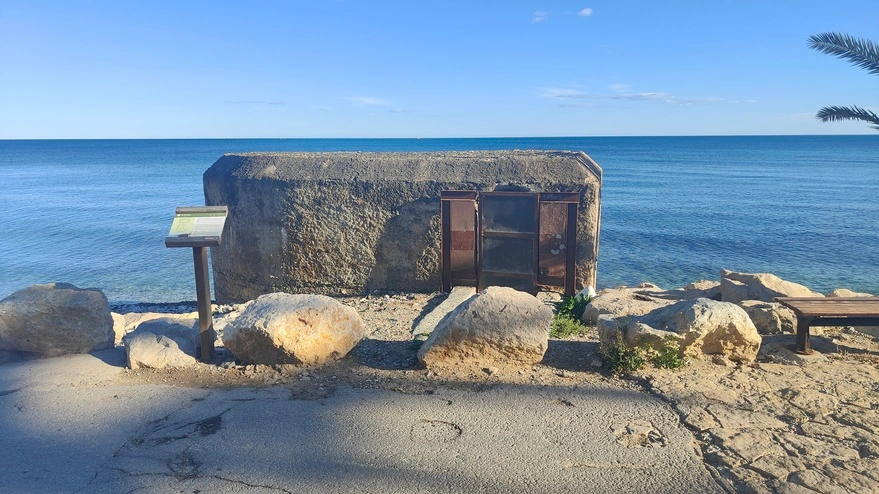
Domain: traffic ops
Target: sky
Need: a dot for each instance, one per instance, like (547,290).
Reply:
(426,68)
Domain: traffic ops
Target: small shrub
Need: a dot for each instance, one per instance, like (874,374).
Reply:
(565,326)
(573,307)
(621,358)
(668,356)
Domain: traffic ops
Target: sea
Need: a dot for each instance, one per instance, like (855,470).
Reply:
(95,213)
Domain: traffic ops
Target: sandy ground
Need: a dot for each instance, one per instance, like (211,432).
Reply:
(784,423)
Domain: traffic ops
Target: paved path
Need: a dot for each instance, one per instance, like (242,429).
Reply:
(70,425)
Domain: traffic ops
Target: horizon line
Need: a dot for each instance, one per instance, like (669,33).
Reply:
(409,138)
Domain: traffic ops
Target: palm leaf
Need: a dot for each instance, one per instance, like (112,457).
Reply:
(860,52)
(839,113)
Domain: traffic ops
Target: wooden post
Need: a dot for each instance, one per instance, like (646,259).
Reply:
(203,294)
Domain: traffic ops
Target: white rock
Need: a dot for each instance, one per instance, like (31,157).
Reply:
(166,342)
(135,319)
(699,326)
(735,287)
(497,326)
(55,319)
(587,293)
(119,328)
(281,328)
(845,292)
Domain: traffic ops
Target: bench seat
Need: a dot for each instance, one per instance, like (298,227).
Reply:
(830,311)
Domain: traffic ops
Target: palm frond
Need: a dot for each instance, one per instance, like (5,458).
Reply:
(839,113)
(862,53)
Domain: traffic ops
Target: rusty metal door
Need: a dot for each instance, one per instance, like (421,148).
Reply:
(458,219)
(507,249)
(515,239)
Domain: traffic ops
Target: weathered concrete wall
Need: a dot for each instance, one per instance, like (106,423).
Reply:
(331,223)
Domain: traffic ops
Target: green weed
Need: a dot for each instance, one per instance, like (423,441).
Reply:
(565,326)
(621,358)
(668,356)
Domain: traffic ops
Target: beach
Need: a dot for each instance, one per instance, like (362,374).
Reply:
(783,423)
(674,210)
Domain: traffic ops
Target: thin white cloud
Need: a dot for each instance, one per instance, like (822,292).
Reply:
(254,103)
(659,97)
(325,108)
(585,12)
(368,101)
(619,88)
(539,16)
(396,110)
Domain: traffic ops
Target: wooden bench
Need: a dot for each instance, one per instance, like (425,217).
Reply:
(830,311)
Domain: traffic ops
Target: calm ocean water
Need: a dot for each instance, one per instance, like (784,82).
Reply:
(675,209)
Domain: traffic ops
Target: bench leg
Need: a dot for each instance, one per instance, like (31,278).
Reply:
(803,346)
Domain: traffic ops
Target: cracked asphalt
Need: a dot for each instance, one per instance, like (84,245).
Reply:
(73,425)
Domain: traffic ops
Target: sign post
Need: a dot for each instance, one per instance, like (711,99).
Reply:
(200,228)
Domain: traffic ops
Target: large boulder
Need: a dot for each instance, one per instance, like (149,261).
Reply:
(770,317)
(333,223)
(699,326)
(56,319)
(282,328)
(165,342)
(623,301)
(497,326)
(735,287)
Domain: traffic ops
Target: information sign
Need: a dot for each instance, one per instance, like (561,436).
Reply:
(200,228)
(197,227)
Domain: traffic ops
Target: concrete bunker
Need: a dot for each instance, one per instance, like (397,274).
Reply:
(350,222)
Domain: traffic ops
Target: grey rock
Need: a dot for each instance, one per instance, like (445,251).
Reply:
(699,327)
(55,319)
(736,287)
(623,301)
(283,328)
(770,317)
(495,327)
(352,222)
(162,343)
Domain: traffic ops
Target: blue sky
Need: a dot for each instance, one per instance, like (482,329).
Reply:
(426,68)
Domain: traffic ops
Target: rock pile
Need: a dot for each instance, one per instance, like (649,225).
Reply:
(645,314)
